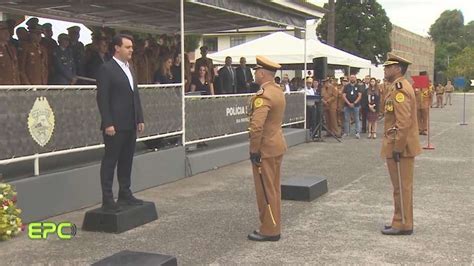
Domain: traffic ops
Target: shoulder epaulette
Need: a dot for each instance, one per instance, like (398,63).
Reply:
(398,85)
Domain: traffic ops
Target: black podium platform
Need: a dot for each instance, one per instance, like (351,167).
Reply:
(130,217)
(303,188)
(132,258)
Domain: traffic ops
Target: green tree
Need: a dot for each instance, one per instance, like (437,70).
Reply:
(191,42)
(463,64)
(448,27)
(362,29)
(451,36)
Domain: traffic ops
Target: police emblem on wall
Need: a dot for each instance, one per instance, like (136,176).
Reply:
(41,121)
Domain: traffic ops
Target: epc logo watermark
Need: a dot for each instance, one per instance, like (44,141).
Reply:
(41,230)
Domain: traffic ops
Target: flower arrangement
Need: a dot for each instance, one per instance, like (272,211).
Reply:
(10,221)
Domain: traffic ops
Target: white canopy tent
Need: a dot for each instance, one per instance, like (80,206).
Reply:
(287,49)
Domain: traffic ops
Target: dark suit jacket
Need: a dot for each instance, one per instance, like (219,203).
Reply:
(119,106)
(241,81)
(225,78)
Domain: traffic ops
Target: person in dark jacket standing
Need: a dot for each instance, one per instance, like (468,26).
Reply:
(244,76)
(64,68)
(122,116)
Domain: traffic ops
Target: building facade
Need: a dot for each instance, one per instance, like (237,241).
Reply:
(416,48)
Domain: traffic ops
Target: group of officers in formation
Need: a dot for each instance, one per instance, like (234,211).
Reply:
(35,58)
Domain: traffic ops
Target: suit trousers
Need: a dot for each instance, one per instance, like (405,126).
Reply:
(406,174)
(271,180)
(422,115)
(119,150)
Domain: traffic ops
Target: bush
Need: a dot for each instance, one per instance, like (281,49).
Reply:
(10,221)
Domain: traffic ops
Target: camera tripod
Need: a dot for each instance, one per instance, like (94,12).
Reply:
(316,132)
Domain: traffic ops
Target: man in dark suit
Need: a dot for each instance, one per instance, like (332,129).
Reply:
(244,77)
(227,77)
(122,116)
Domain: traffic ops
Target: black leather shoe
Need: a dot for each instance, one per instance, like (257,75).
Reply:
(111,207)
(130,200)
(396,232)
(387,226)
(256,236)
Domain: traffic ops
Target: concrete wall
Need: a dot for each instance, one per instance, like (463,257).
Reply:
(52,194)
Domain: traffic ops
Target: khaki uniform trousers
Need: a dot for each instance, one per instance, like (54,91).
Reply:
(330,115)
(407,165)
(439,100)
(422,115)
(448,98)
(271,179)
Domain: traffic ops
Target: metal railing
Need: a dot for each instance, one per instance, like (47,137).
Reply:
(36,157)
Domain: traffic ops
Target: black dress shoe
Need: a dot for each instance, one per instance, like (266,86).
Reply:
(130,200)
(387,226)
(396,232)
(256,236)
(111,207)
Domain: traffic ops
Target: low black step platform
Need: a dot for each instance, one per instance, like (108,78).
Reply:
(130,217)
(303,188)
(132,258)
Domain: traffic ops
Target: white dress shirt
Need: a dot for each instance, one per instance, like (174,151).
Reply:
(126,69)
(308,91)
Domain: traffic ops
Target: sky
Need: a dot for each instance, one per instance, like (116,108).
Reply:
(418,15)
(61,27)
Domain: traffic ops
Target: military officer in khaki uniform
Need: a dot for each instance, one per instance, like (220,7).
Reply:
(33,61)
(400,143)
(449,89)
(267,146)
(329,94)
(340,104)
(9,74)
(439,95)
(423,102)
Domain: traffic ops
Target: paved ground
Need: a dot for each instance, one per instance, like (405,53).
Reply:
(205,219)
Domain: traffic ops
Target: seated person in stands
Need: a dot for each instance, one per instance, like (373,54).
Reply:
(202,82)
(163,75)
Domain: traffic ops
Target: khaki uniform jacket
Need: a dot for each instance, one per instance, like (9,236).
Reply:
(423,97)
(439,90)
(340,99)
(33,64)
(9,73)
(400,125)
(329,93)
(267,113)
(449,88)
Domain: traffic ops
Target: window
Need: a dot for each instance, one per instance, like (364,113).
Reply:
(236,40)
(211,43)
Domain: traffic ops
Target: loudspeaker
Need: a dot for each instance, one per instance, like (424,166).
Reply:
(320,67)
